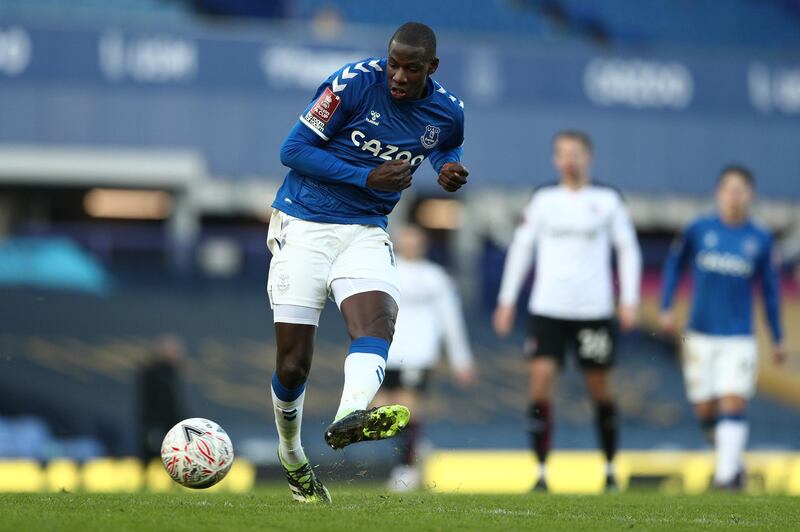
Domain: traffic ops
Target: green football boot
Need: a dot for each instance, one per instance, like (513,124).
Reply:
(304,484)
(377,423)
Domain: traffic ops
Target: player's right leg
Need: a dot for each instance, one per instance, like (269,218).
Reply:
(596,346)
(598,386)
(295,347)
(297,289)
(545,347)
(698,373)
(542,372)
(706,413)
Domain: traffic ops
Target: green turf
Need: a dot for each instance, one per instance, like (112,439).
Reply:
(270,508)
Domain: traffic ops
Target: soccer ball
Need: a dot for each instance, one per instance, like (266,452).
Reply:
(197,453)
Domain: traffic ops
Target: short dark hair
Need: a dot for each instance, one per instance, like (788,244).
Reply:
(740,170)
(575,134)
(416,34)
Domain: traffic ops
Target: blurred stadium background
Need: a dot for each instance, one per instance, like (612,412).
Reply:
(139,155)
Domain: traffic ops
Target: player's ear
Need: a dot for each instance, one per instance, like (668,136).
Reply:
(433,65)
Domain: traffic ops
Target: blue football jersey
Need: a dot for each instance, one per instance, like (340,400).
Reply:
(725,261)
(353,125)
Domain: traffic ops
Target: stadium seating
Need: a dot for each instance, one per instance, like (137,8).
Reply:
(31,437)
(696,22)
(24,437)
(736,23)
(487,16)
(699,22)
(224,95)
(97,7)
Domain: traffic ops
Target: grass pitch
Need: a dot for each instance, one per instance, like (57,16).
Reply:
(270,508)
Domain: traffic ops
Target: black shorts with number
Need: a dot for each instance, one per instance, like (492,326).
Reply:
(594,341)
(406,379)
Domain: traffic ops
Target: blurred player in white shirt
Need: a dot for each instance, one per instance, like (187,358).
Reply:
(431,317)
(572,226)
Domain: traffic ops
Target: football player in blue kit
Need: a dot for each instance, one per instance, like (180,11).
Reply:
(353,150)
(727,252)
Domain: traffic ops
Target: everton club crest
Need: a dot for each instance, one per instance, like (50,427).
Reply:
(430,138)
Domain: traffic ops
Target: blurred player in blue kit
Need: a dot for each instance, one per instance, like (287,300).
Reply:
(355,147)
(728,252)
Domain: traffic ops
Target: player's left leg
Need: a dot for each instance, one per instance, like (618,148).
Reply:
(735,372)
(542,374)
(364,283)
(596,346)
(370,318)
(597,384)
(731,437)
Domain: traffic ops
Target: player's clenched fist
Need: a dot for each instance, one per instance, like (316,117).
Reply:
(391,176)
(453,176)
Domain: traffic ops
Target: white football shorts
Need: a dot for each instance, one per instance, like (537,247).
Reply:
(311,261)
(714,366)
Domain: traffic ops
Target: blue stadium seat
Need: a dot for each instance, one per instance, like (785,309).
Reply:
(81,448)
(30,437)
(739,23)
(26,437)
